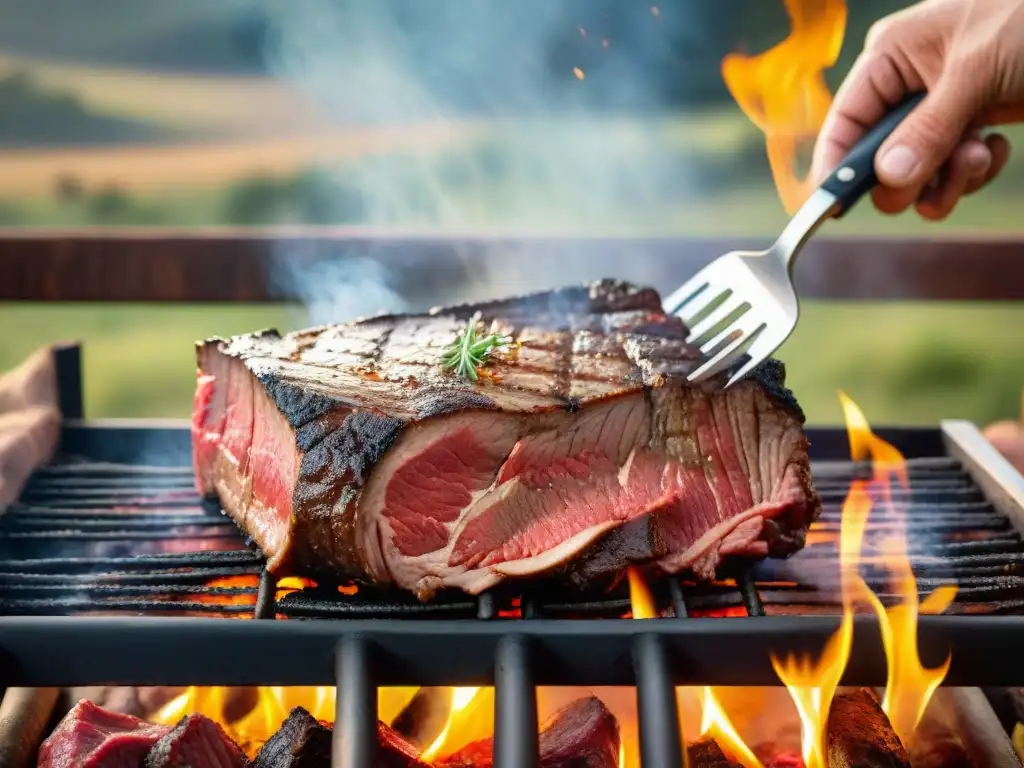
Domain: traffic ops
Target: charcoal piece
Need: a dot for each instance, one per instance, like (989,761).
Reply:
(91,737)
(196,742)
(859,734)
(302,741)
(576,451)
(705,753)
(583,734)
(935,745)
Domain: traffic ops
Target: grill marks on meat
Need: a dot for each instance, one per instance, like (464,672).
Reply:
(346,450)
(90,737)
(583,734)
(196,742)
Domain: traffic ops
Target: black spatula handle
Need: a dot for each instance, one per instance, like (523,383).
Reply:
(855,176)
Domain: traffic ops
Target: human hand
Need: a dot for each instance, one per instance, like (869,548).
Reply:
(969,56)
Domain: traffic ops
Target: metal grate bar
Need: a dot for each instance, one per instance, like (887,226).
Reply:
(355,724)
(80,469)
(265,597)
(661,738)
(72,605)
(156,578)
(516,726)
(678,599)
(136,562)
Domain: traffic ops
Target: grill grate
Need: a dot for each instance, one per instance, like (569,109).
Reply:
(114,538)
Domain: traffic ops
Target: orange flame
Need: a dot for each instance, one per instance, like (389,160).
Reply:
(783,90)
(461,699)
(813,684)
(715,724)
(641,601)
(910,685)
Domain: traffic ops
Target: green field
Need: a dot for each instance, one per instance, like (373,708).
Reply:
(902,364)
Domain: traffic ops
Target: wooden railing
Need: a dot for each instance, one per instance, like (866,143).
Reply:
(244,265)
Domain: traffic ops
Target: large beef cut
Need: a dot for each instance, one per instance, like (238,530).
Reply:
(196,742)
(304,742)
(583,734)
(350,450)
(90,737)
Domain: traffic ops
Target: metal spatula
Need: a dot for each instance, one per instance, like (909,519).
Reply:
(742,306)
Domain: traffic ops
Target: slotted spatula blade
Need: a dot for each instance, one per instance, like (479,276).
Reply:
(743,306)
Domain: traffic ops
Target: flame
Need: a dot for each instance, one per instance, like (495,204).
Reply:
(461,699)
(715,724)
(910,685)
(641,601)
(273,703)
(813,684)
(783,90)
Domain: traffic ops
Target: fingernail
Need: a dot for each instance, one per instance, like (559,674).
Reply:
(979,158)
(898,164)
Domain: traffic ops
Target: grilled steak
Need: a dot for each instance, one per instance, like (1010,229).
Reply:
(350,451)
(304,742)
(196,742)
(583,734)
(90,737)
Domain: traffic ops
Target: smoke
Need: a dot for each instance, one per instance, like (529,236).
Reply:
(526,116)
(335,290)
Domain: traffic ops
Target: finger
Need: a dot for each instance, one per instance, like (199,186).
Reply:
(893,200)
(874,84)
(969,161)
(926,139)
(999,147)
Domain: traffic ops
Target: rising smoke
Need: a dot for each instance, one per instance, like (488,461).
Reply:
(518,141)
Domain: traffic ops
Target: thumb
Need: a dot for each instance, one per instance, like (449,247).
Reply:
(924,141)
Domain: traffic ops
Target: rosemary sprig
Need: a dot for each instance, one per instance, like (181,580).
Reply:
(468,352)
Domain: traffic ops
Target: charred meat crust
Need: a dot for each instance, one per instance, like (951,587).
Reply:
(611,325)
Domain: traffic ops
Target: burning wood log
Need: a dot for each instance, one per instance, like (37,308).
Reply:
(934,745)
(582,735)
(959,728)
(421,720)
(24,715)
(705,753)
(29,422)
(304,742)
(859,734)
